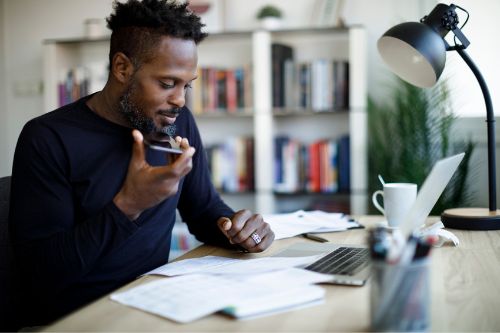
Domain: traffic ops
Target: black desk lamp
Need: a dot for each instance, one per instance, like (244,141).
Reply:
(416,52)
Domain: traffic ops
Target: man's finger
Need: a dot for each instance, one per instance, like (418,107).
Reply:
(266,236)
(181,167)
(138,154)
(238,221)
(184,163)
(264,244)
(224,225)
(184,144)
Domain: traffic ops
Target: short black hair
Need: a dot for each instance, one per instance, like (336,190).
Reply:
(137,26)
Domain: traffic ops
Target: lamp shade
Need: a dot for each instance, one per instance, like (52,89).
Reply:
(414,52)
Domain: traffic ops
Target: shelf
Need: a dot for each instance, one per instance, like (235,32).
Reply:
(77,40)
(278,112)
(318,194)
(301,112)
(219,35)
(224,114)
(245,193)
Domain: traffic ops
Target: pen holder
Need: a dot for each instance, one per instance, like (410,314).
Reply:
(399,298)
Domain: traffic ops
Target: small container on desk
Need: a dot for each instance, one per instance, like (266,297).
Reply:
(400,296)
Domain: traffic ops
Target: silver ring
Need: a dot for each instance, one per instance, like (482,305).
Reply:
(256,238)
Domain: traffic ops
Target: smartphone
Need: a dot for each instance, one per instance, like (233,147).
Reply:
(163,146)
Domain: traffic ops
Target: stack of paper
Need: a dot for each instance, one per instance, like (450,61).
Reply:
(300,222)
(190,297)
(221,265)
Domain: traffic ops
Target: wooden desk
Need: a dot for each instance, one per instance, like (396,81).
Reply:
(465,284)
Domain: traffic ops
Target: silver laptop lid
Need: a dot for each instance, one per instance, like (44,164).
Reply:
(429,193)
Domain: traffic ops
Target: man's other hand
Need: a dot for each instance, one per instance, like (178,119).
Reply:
(247,230)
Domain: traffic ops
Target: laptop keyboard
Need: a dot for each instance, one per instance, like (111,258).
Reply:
(344,261)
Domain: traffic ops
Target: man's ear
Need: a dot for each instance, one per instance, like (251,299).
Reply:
(121,67)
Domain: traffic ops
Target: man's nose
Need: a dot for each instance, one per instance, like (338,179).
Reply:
(178,98)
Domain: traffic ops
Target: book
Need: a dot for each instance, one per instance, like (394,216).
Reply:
(341,84)
(314,167)
(280,54)
(344,162)
(231,91)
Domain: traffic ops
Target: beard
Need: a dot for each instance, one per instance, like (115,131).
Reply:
(137,117)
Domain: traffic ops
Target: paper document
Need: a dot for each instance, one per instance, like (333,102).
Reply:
(220,265)
(300,222)
(190,297)
(290,276)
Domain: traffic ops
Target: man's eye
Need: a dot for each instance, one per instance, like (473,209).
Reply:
(167,85)
(188,86)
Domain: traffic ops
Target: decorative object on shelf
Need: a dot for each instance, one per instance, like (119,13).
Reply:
(95,28)
(211,12)
(417,53)
(270,17)
(408,135)
(328,13)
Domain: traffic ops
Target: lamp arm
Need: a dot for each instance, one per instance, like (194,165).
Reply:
(490,123)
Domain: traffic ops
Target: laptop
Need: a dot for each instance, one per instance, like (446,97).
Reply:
(348,264)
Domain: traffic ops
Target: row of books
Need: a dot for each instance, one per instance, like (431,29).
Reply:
(231,164)
(80,81)
(73,86)
(321,166)
(320,84)
(221,90)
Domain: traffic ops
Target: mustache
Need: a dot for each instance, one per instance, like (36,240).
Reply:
(173,112)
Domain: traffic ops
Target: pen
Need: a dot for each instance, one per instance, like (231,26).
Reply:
(315,238)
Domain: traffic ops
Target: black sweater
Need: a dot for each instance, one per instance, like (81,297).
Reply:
(71,242)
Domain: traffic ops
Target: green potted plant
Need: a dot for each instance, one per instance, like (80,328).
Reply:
(270,17)
(408,134)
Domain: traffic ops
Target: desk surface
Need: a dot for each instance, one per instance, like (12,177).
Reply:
(465,284)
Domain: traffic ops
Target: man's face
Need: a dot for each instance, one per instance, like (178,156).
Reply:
(156,92)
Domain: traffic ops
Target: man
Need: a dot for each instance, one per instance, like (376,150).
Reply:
(92,207)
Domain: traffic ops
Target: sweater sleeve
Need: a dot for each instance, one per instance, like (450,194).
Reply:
(200,206)
(52,249)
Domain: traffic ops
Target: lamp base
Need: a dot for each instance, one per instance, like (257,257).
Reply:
(471,219)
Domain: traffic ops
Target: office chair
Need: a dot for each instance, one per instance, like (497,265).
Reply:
(8,320)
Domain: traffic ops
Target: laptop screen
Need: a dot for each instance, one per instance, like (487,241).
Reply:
(429,193)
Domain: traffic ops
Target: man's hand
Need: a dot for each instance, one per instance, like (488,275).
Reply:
(247,230)
(145,186)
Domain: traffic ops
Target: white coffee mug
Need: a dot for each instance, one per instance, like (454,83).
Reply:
(398,199)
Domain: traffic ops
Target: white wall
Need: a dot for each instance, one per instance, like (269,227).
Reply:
(482,31)
(26,24)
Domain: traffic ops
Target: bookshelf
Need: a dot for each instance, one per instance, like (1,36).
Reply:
(257,118)
(304,123)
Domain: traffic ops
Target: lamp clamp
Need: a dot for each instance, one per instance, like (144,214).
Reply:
(444,19)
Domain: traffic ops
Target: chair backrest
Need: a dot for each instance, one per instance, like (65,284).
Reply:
(7,281)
